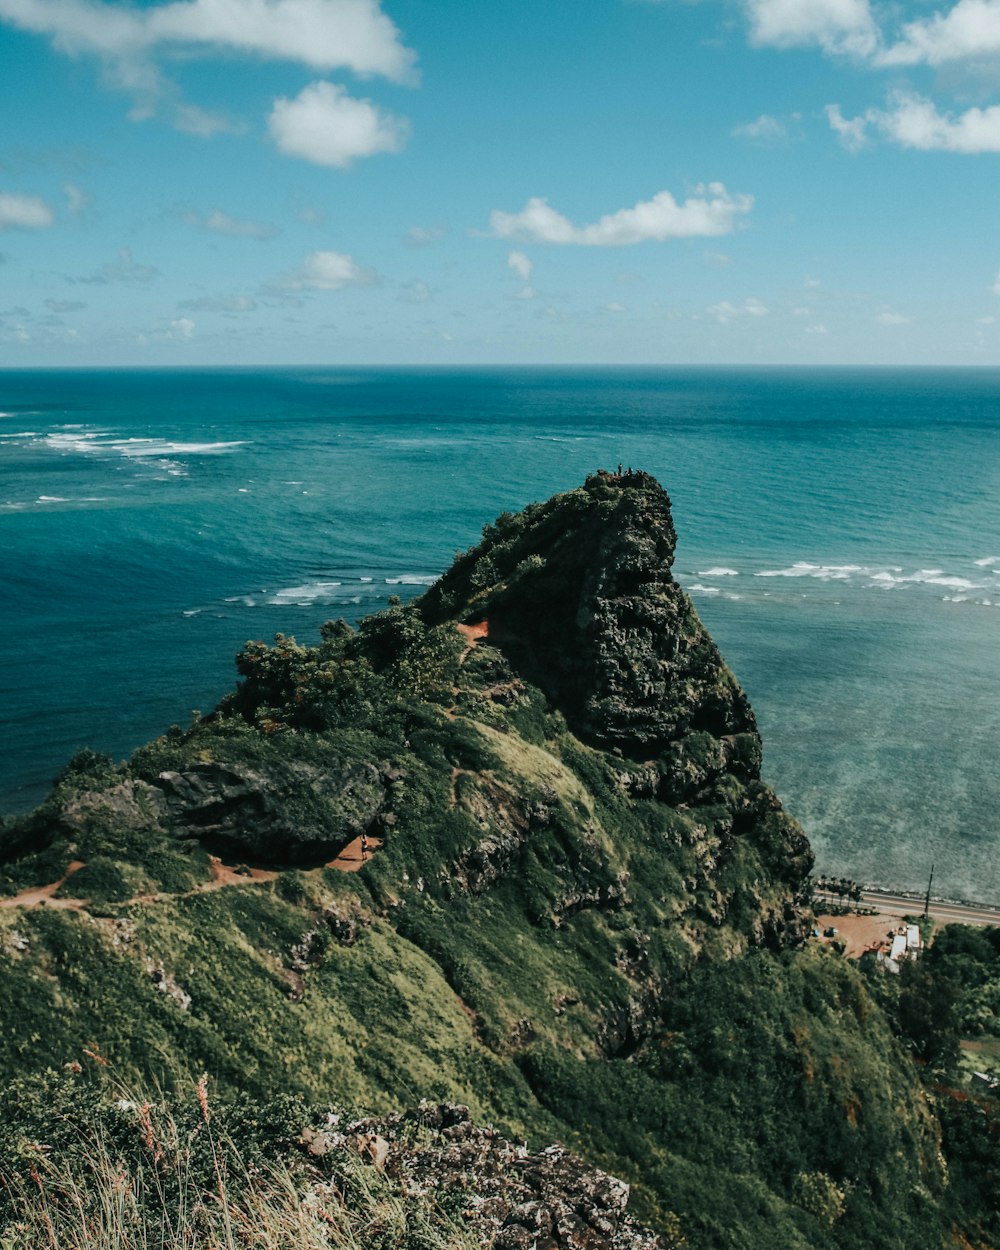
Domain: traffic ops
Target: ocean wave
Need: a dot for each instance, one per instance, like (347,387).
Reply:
(311,592)
(697,588)
(135,447)
(821,572)
(721,571)
(986,560)
(91,442)
(412,579)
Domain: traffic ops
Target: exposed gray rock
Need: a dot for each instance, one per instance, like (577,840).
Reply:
(513,1199)
(285,812)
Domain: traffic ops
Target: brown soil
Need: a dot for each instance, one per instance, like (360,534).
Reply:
(43,893)
(350,858)
(860,933)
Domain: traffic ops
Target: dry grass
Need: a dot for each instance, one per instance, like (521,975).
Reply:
(162,1197)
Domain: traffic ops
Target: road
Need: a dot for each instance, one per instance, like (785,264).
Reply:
(912,904)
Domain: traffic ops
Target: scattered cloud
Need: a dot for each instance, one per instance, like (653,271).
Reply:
(766,130)
(888,318)
(985,321)
(817,329)
(329,271)
(349,34)
(64,305)
(802,312)
(415,292)
(24,212)
(124,269)
(312,215)
(424,236)
(526,292)
(77,200)
(970,30)
(726,311)
(615,307)
(914,122)
(711,211)
(996,284)
(851,130)
(193,120)
(182,329)
(218,222)
(716,260)
(325,125)
(220,303)
(521,264)
(839,27)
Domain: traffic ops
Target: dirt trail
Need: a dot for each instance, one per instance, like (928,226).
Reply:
(350,858)
(472,634)
(43,893)
(223,875)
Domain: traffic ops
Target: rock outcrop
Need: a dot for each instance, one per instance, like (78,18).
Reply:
(578,592)
(511,1199)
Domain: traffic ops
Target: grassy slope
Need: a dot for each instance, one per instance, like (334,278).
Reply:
(540,937)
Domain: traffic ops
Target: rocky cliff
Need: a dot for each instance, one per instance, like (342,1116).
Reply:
(578,909)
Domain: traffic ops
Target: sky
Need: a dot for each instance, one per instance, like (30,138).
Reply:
(249,182)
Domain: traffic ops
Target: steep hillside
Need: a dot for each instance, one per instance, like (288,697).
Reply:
(580,913)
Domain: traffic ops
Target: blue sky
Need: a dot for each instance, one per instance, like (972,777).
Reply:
(435,181)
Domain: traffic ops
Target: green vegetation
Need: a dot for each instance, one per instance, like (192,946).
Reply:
(585,922)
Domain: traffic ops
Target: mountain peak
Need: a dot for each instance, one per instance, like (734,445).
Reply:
(579,595)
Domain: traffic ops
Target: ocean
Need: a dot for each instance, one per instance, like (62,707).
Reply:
(838,530)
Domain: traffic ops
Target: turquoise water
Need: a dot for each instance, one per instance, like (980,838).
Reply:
(839,531)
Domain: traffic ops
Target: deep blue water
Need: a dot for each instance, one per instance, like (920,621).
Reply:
(839,531)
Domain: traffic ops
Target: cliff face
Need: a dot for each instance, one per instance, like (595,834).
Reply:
(582,915)
(578,596)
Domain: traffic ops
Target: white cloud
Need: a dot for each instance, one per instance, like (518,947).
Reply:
(221,303)
(712,211)
(765,129)
(914,122)
(218,222)
(124,269)
(839,27)
(615,307)
(888,318)
(817,329)
(24,212)
(851,131)
(323,34)
(329,271)
(198,121)
(77,200)
(424,236)
(521,264)
(182,329)
(415,292)
(969,30)
(325,125)
(526,292)
(725,311)
(985,321)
